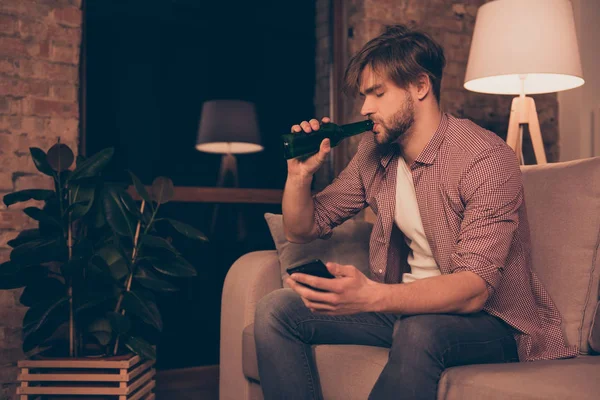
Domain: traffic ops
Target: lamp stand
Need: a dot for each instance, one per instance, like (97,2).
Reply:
(228,177)
(523,112)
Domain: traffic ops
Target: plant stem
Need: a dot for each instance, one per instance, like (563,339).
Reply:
(131,272)
(71,314)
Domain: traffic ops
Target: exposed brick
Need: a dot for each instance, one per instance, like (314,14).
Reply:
(6,297)
(31,29)
(8,122)
(70,16)
(67,54)
(45,107)
(16,219)
(6,184)
(37,181)
(33,124)
(64,35)
(19,87)
(67,129)
(60,72)
(8,25)
(11,47)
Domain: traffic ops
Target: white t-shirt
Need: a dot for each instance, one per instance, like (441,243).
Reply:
(408,219)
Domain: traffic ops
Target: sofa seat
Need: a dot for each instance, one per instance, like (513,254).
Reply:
(350,371)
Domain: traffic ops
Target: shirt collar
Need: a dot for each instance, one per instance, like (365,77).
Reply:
(430,151)
(427,155)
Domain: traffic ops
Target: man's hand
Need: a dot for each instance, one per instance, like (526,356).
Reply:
(351,292)
(305,169)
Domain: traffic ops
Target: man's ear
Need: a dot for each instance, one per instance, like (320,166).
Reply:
(423,86)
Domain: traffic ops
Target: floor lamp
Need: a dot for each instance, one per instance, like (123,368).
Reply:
(228,127)
(524,47)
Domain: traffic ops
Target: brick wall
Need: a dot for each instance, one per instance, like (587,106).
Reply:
(39,84)
(323,62)
(451,23)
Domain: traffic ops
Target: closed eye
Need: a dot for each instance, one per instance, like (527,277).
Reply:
(380,94)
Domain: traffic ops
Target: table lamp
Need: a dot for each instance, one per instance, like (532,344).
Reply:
(228,127)
(524,47)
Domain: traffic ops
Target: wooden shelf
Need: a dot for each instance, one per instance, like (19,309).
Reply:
(188,194)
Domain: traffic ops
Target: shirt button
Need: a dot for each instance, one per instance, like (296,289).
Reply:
(380,270)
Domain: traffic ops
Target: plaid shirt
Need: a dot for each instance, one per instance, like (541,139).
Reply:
(470,194)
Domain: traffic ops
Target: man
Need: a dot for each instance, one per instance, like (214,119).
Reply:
(445,188)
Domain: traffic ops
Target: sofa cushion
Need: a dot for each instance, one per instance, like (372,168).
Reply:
(349,372)
(563,209)
(349,244)
(575,378)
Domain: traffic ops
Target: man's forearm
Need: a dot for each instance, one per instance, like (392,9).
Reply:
(460,293)
(298,210)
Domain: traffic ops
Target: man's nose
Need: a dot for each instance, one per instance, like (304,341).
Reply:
(366,109)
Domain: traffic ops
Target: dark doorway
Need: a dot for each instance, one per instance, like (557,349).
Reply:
(149,65)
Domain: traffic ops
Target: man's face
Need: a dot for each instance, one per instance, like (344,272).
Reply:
(386,104)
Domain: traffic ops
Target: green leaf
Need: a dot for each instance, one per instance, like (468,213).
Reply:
(90,300)
(101,329)
(113,258)
(43,291)
(92,166)
(162,190)
(177,267)
(143,308)
(185,229)
(24,236)
(130,204)
(120,323)
(43,217)
(82,200)
(13,275)
(37,316)
(145,277)
(141,347)
(26,195)
(116,214)
(40,251)
(158,242)
(60,157)
(41,162)
(140,188)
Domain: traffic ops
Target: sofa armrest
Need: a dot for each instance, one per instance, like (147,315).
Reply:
(250,278)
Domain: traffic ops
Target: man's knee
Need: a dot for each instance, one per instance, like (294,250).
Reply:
(274,309)
(417,334)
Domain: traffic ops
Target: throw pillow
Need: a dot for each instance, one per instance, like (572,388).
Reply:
(349,244)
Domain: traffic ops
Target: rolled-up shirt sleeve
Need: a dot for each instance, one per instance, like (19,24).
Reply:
(491,188)
(342,199)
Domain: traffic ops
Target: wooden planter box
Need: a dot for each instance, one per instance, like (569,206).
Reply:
(127,378)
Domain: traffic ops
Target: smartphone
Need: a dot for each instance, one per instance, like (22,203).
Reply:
(314,267)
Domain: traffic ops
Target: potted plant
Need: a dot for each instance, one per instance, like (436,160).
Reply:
(91,268)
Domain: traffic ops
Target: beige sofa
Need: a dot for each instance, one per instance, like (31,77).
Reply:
(563,201)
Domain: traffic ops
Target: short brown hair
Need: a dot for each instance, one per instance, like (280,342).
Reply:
(400,54)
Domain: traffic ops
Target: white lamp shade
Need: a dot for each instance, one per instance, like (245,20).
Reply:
(228,127)
(534,39)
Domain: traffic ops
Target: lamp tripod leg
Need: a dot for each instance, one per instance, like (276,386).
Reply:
(228,176)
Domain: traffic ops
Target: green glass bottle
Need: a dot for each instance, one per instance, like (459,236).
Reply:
(302,144)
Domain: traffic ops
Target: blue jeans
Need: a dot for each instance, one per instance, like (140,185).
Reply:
(421,346)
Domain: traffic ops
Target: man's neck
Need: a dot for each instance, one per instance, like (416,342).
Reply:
(423,129)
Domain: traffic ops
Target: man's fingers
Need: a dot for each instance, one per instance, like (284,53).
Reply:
(330,285)
(296,128)
(340,270)
(314,124)
(306,126)
(325,120)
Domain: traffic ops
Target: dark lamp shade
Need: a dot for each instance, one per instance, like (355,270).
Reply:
(228,126)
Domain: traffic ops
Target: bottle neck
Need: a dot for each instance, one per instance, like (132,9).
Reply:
(356,128)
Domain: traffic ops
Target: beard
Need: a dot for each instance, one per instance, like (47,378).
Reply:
(399,123)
